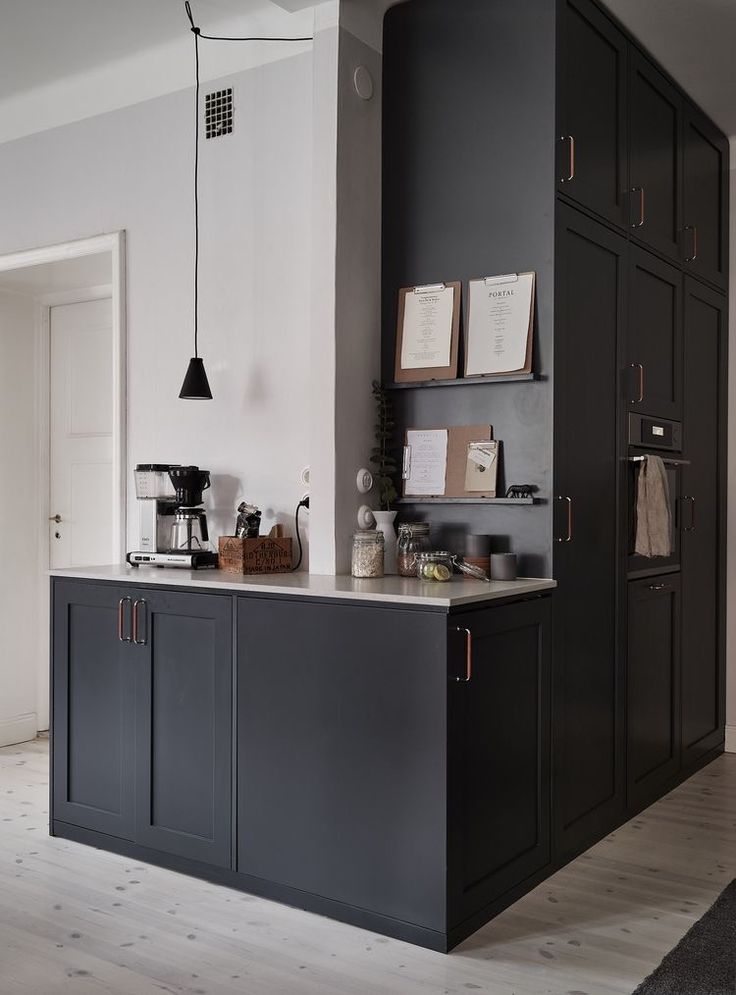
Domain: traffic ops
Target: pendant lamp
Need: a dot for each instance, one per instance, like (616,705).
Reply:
(196,386)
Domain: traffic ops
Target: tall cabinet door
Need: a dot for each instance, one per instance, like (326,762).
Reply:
(588,743)
(652,688)
(705,198)
(654,337)
(704,531)
(184,724)
(654,176)
(93,719)
(592,133)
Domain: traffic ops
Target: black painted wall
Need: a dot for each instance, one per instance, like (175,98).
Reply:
(457,206)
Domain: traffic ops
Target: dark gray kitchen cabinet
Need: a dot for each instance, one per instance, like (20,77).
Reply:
(653,688)
(653,336)
(184,725)
(394,761)
(588,723)
(142,716)
(93,717)
(703,525)
(655,112)
(498,810)
(592,143)
(705,198)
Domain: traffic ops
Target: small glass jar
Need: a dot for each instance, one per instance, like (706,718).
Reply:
(368,549)
(435,566)
(413,539)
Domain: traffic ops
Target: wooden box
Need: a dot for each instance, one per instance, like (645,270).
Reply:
(264,555)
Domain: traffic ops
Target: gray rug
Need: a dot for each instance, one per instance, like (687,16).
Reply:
(704,961)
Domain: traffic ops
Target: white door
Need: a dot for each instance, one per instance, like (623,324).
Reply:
(81,434)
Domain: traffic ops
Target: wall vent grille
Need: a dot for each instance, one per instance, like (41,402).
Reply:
(218,113)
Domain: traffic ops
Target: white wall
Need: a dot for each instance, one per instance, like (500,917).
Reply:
(731,558)
(18,582)
(132,169)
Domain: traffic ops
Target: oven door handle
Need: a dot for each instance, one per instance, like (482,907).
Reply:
(692,526)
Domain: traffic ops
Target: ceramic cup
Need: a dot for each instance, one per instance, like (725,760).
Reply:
(503,566)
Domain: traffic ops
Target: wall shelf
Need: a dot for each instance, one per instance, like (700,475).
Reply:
(465,381)
(468,500)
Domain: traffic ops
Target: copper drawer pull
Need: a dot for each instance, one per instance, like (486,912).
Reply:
(571,170)
(468,655)
(136,628)
(694,230)
(568,537)
(642,211)
(121,620)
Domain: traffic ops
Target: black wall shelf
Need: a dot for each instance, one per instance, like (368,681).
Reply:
(466,381)
(468,500)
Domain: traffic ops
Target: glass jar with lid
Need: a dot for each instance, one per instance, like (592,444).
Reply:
(413,539)
(367,560)
(435,565)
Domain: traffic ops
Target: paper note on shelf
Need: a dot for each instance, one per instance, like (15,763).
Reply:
(426,463)
(481,468)
(500,323)
(428,322)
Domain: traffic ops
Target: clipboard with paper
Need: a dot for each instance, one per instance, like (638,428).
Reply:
(499,335)
(456,462)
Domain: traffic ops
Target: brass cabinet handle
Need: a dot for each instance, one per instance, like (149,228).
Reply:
(642,208)
(640,368)
(121,621)
(468,655)
(691,526)
(694,230)
(136,627)
(568,537)
(660,587)
(571,170)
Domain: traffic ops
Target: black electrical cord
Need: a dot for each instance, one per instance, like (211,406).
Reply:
(197,35)
(197,31)
(302,504)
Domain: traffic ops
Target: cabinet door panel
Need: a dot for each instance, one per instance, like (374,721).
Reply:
(592,56)
(654,336)
(588,746)
(703,536)
(184,717)
(342,754)
(655,113)
(499,747)
(705,198)
(93,711)
(653,687)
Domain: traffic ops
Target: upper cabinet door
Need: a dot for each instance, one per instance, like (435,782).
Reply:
(592,133)
(653,384)
(705,198)
(654,176)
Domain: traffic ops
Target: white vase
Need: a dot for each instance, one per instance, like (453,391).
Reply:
(385,523)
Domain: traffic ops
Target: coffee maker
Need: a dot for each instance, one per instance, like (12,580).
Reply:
(172,513)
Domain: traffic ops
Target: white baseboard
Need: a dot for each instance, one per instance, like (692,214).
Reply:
(731,739)
(18,729)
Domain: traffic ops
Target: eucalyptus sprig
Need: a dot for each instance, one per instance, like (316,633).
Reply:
(382,454)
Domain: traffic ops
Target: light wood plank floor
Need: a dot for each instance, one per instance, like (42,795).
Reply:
(76,920)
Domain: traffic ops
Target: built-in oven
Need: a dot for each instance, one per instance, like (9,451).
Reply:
(663,438)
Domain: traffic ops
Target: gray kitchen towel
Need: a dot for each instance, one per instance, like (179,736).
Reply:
(653,510)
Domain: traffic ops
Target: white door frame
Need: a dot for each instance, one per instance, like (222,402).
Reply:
(113,243)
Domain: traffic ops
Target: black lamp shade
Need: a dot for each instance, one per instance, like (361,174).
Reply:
(196,386)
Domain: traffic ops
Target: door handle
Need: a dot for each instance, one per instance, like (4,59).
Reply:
(468,655)
(640,368)
(568,537)
(694,229)
(691,526)
(642,208)
(571,162)
(56,518)
(121,621)
(136,623)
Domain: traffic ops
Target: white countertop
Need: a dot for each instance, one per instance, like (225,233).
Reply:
(394,590)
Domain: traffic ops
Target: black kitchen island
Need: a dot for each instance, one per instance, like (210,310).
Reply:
(375,751)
